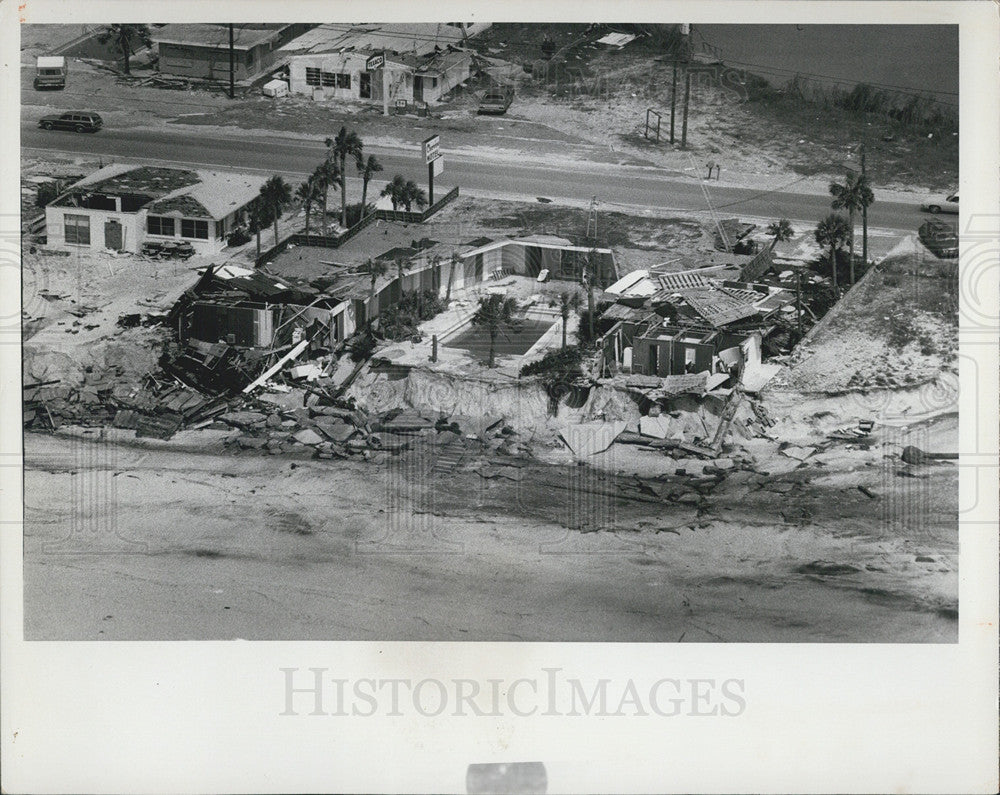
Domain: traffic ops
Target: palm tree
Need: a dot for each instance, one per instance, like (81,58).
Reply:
(413,195)
(308,194)
(396,191)
(276,195)
(495,313)
(346,143)
(567,303)
(855,194)
(781,229)
(325,175)
(833,231)
(122,36)
(375,269)
(259,219)
(368,169)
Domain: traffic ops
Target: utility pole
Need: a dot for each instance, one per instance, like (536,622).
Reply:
(232,64)
(864,214)
(673,100)
(798,302)
(686,32)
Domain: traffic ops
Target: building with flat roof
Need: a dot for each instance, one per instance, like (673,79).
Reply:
(420,63)
(201,51)
(121,207)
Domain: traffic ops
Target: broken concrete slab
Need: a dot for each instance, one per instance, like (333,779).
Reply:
(590,438)
(644,382)
(340,432)
(243,419)
(655,427)
(307,436)
(798,453)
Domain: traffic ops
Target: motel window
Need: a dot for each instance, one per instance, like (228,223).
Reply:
(343,80)
(76,229)
(329,79)
(194,229)
(158,225)
(312,76)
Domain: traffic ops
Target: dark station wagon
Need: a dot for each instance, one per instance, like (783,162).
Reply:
(496,100)
(77,120)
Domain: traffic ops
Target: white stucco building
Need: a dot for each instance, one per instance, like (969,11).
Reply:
(120,207)
(422,62)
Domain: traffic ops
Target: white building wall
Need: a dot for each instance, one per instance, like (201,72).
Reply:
(400,78)
(133,228)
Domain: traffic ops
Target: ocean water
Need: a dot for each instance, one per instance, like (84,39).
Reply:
(914,58)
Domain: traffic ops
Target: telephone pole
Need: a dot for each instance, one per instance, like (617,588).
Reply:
(864,213)
(686,31)
(232,64)
(673,99)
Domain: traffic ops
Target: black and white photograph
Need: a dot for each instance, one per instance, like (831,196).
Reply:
(643,332)
(488,332)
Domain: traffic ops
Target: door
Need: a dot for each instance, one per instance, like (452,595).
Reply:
(418,88)
(365,85)
(653,363)
(113,235)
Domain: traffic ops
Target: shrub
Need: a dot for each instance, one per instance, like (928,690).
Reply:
(566,362)
(361,347)
(399,322)
(238,236)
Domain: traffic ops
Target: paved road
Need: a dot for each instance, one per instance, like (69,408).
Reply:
(624,185)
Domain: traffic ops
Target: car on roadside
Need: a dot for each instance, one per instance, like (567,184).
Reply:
(496,100)
(941,204)
(940,237)
(76,120)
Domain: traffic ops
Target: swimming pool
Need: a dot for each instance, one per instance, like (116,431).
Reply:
(476,339)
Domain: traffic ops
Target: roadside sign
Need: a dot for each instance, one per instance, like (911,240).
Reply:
(400,103)
(438,164)
(430,149)
(375,61)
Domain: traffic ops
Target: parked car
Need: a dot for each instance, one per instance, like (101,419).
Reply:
(941,204)
(77,120)
(941,238)
(496,99)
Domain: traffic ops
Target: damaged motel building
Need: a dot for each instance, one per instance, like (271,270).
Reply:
(692,322)
(399,64)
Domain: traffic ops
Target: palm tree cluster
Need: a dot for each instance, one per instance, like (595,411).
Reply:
(275,195)
(854,195)
(332,172)
(404,193)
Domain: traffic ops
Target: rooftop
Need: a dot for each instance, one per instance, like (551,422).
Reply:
(192,193)
(415,39)
(207,35)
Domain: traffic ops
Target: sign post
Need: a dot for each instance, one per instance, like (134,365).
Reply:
(432,157)
(377,61)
